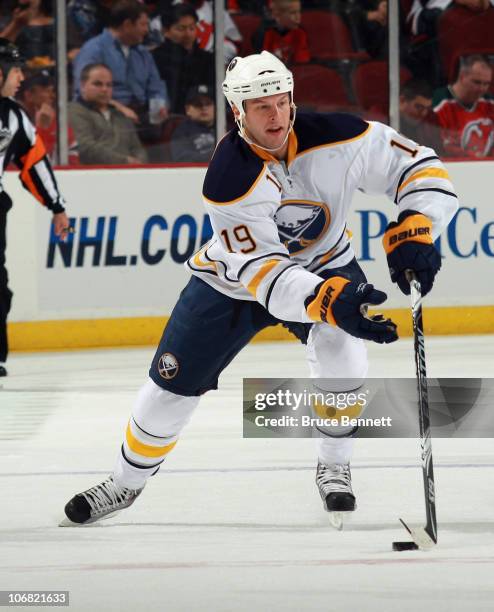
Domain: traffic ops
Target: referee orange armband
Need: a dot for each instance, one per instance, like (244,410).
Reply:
(318,305)
(414,227)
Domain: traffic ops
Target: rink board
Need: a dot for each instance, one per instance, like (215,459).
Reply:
(116,281)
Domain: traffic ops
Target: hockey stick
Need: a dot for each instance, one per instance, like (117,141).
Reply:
(424,537)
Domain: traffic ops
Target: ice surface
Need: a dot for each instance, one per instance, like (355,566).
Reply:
(232,524)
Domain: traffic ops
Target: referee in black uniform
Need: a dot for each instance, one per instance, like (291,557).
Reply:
(20,144)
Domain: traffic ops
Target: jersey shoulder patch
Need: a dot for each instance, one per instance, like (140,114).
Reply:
(319,129)
(232,171)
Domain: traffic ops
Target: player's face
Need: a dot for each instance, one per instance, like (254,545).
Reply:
(476,82)
(184,32)
(98,89)
(10,85)
(267,120)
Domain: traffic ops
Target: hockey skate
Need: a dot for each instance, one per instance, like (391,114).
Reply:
(100,502)
(335,487)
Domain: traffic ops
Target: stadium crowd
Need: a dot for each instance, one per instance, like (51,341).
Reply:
(142,73)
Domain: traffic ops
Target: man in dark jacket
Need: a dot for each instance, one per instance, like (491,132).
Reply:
(180,61)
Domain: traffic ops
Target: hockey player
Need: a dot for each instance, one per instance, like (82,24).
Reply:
(19,143)
(278,190)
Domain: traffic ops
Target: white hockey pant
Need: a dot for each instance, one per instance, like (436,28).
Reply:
(341,360)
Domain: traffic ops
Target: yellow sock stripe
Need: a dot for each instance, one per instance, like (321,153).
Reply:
(263,271)
(427,173)
(145,449)
(331,412)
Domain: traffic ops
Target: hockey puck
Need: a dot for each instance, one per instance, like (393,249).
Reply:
(405,546)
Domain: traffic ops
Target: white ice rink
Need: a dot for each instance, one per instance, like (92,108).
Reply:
(232,524)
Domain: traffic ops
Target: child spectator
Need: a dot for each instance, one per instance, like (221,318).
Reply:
(104,134)
(194,139)
(180,61)
(283,35)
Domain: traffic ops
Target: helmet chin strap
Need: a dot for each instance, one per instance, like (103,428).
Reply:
(241,131)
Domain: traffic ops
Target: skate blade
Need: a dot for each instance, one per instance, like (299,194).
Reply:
(339,519)
(66,522)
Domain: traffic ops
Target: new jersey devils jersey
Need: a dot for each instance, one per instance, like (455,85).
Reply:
(277,225)
(466,131)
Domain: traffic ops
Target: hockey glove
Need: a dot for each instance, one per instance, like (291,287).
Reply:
(408,245)
(343,303)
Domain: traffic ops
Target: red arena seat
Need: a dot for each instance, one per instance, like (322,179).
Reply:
(462,32)
(247,25)
(319,88)
(329,36)
(371,84)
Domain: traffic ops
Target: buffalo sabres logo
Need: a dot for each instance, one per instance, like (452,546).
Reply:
(168,366)
(301,223)
(5,138)
(478,137)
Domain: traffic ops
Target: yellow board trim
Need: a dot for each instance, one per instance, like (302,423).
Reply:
(146,450)
(145,331)
(427,173)
(261,273)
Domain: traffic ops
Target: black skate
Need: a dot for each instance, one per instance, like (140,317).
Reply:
(99,502)
(335,487)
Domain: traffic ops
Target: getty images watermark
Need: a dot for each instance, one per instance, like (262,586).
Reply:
(374,408)
(331,409)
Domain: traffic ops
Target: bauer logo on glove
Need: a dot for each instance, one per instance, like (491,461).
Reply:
(344,303)
(408,246)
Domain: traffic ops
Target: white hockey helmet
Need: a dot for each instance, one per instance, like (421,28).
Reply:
(256,76)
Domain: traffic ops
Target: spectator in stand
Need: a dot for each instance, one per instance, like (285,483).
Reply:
(85,19)
(33,31)
(205,26)
(180,61)
(138,91)
(417,121)
(370,19)
(424,14)
(38,97)
(423,54)
(465,111)
(283,35)
(194,139)
(104,134)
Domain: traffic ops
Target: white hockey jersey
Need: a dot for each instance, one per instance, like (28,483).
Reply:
(278,225)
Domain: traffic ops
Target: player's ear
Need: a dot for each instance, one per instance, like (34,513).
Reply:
(236,112)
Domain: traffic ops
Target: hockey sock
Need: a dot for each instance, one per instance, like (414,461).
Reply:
(157,419)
